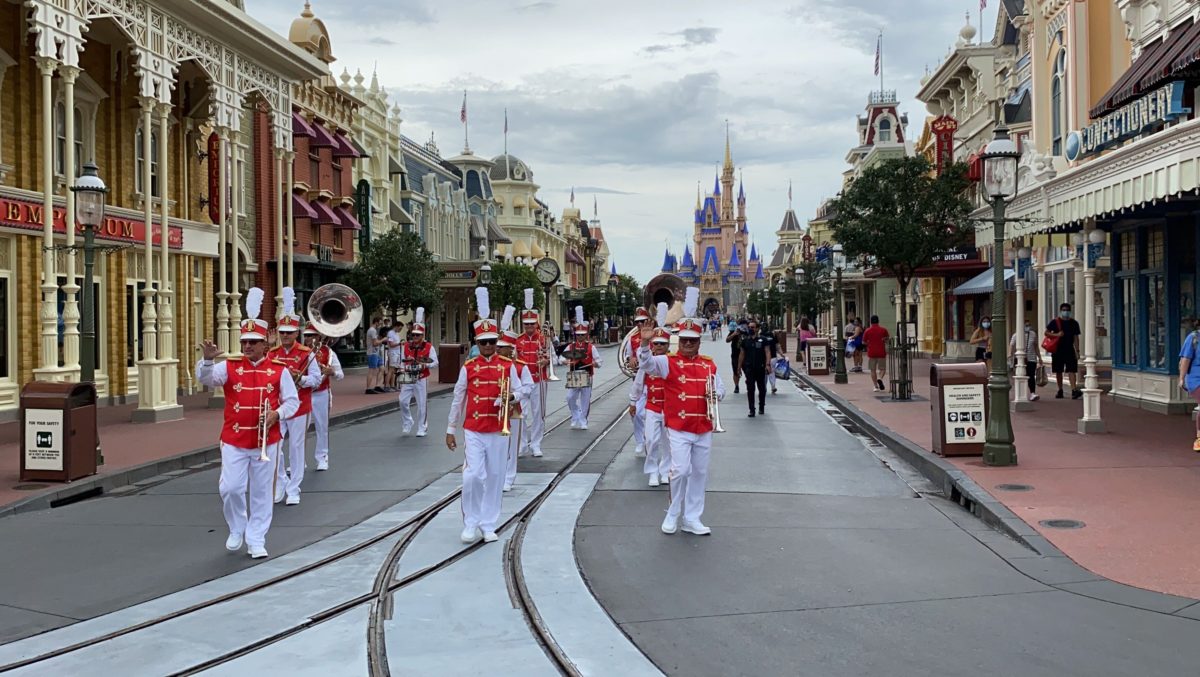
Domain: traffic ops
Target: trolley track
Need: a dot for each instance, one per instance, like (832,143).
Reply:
(382,589)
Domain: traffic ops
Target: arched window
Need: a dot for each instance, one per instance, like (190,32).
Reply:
(1058,86)
(885,131)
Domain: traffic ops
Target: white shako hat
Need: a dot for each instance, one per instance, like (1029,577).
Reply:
(581,326)
(485,326)
(529,315)
(254,329)
(508,337)
(690,326)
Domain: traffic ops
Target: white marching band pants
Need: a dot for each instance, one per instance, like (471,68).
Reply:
(420,391)
(483,478)
(516,441)
(242,473)
(689,473)
(533,426)
(294,429)
(639,421)
(658,452)
(320,420)
(579,401)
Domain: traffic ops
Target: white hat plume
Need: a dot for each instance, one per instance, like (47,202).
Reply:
(482,305)
(529,299)
(419,316)
(579,314)
(662,314)
(506,320)
(254,299)
(691,300)
(289,301)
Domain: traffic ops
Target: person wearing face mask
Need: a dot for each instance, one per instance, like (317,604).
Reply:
(1031,357)
(982,340)
(1189,371)
(1065,357)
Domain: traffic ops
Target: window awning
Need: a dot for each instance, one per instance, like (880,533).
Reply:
(362,152)
(573,257)
(346,219)
(343,147)
(1188,33)
(300,126)
(497,235)
(982,283)
(1128,86)
(398,214)
(322,138)
(394,166)
(325,215)
(301,208)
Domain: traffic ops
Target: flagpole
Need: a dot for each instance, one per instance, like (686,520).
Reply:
(466,123)
(881,62)
(506,131)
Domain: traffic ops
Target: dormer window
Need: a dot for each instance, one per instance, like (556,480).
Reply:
(885,131)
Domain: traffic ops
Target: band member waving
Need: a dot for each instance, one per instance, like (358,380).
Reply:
(322,396)
(533,348)
(646,398)
(487,388)
(307,375)
(416,358)
(259,392)
(582,360)
(692,389)
(641,318)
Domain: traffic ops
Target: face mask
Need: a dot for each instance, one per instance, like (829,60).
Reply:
(1029,327)
(1064,314)
(986,325)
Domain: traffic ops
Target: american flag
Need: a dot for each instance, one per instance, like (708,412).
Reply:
(879,51)
(982,5)
(505,120)
(462,114)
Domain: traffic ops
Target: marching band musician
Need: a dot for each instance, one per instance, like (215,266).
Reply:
(477,403)
(506,346)
(415,352)
(640,318)
(307,375)
(646,404)
(687,377)
(249,381)
(531,349)
(579,400)
(322,397)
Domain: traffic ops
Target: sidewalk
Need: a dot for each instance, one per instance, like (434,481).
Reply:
(136,451)
(1136,488)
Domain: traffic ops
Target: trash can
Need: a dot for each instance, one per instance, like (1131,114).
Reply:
(959,398)
(614,334)
(450,359)
(59,437)
(818,357)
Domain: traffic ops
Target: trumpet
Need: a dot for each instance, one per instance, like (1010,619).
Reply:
(263,410)
(546,352)
(505,410)
(714,408)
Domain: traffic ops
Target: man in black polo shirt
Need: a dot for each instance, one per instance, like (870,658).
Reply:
(753,363)
(734,339)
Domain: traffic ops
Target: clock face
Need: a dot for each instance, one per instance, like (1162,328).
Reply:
(547,270)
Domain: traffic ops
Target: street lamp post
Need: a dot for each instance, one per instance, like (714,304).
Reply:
(839,264)
(1091,421)
(780,288)
(89,192)
(1020,399)
(1000,181)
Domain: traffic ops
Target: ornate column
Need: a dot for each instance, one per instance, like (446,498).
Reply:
(1020,398)
(235,295)
(48,314)
(1090,422)
(149,376)
(223,258)
(289,160)
(166,319)
(280,191)
(68,74)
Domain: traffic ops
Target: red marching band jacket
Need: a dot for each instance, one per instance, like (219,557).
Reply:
(412,353)
(584,364)
(323,360)
(482,415)
(527,349)
(656,392)
(295,362)
(685,406)
(246,387)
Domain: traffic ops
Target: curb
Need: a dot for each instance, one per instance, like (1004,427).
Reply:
(1060,572)
(103,483)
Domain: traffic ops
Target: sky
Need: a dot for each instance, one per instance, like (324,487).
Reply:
(627,101)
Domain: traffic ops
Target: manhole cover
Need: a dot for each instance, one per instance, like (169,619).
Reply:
(1062,524)
(29,487)
(1015,487)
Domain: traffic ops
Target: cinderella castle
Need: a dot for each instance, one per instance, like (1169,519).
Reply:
(716,260)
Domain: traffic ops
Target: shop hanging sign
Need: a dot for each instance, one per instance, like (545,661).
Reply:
(1162,105)
(943,135)
(214,178)
(27,215)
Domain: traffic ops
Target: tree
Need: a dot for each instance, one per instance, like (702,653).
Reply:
(509,282)
(901,215)
(396,273)
(813,292)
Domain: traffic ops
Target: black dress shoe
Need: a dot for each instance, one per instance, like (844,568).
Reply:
(751,414)
(762,410)
(736,389)
(1076,394)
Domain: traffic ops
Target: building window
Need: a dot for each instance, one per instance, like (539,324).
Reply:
(518,210)
(315,237)
(83,118)
(1142,283)
(133,321)
(314,171)
(885,131)
(139,153)
(338,243)
(1058,85)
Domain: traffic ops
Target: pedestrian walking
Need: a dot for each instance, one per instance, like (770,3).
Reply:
(734,339)
(692,386)
(804,332)
(1065,332)
(259,393)
(322,395)
(477,405)
(304,369)
(753,363)
(981,338)
(853,333)
(1031,357)
(874,341)
(392,349)
(374,359)
(1189,372)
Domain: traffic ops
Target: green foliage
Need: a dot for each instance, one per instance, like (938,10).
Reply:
(396,273)
(812,294)
(509,282)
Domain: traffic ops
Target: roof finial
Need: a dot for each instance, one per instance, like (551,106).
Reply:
(728,154)
(307,12)
(697,196)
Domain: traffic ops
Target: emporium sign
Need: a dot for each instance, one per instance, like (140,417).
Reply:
(28,216)
(1162,105)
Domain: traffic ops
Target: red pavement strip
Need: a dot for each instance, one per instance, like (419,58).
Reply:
(1137,487)
(136,451)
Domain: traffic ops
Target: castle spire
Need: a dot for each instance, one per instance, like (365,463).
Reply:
(728,153)
(697,196)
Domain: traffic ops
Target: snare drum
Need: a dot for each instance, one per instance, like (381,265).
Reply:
(579,379)
(408,376)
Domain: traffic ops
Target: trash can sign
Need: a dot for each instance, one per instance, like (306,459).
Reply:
(43,439)
(967,402)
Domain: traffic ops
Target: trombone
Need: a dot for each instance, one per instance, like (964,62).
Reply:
(714,408)
(506,407)
(547,352)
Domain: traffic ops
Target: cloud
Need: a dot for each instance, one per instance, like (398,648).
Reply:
(691,38)
(380,40)
(586,190)
(535,6)
(377,13)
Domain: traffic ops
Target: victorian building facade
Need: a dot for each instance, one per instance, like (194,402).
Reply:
(157,94)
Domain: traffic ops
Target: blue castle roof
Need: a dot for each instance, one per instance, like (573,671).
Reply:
(668,265)
(716,185)
(734,261)
(758,274)
(688,263)
(753,252)
(710,265)
(614,269)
